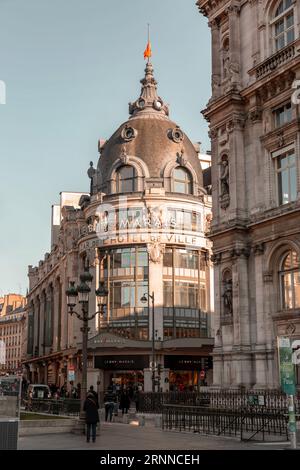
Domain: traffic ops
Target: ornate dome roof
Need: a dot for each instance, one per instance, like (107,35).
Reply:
(148,135)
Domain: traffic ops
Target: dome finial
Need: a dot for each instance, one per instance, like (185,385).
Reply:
(148,102)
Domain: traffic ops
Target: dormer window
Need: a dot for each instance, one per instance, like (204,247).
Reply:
(283,24)
(182,181)
(125,179)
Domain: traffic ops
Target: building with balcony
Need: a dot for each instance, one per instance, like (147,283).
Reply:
(254,127)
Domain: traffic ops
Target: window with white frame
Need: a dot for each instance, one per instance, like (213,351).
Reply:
(283,24)
(286,175)
(289,275)
(182,181)
(282,114)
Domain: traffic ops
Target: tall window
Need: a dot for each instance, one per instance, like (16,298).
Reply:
(182,181)
(283,114)
(185,293)
(290,280)
(126,179)
(283,24)
(286,176)
(126,271)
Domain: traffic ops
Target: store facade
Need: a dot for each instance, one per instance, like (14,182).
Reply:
(141,231)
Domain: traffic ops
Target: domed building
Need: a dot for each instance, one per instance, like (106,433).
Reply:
(141,232)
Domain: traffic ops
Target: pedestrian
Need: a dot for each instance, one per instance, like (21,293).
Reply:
(91,416)
(136,398)
(109,403)
(124,402)
(94,393)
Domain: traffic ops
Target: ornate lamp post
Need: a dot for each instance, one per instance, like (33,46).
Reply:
(144,300)
(80,294)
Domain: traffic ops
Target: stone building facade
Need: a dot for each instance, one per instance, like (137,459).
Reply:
(254,128)
(141,231)
(12,320)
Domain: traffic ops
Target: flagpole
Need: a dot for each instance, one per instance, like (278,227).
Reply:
(148,39)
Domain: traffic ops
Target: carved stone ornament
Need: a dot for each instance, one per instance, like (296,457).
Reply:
(155,251)
(216,258)
(128,133)
(259,249)
(124,157)
(290,328)
(255,115)
(176,135)
(280,139)
(237,252)
(213,133)
(181,158)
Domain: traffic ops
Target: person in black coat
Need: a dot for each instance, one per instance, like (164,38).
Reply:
(124,402)
(91,408)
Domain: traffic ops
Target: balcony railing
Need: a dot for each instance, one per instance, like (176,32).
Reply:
(277,59)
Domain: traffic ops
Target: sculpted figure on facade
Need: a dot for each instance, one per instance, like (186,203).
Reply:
(224,176)
(92,175)
(156,251)
(227,297)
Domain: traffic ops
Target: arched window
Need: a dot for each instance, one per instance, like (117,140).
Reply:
(283,24)
(290,280)
(182,181)
(125,179)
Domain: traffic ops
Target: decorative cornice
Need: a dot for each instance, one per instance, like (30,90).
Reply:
(239,252)
(259,249)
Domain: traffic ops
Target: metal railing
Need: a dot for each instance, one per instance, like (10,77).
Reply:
(63,406)
(247,423)
(218,400)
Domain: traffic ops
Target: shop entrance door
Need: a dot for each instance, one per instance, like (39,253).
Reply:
(125,379)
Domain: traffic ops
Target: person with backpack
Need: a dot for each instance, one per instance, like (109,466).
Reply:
(91,408)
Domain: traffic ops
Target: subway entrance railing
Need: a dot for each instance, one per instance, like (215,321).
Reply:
(247,423)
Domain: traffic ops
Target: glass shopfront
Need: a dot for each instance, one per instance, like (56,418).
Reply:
(186,287)
(126,270)
(123,371)
(188,373)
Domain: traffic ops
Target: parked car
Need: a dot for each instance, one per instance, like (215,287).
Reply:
(38,391)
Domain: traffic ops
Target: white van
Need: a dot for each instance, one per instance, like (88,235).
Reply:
(38,391)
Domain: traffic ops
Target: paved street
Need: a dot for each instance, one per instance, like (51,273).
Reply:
(115,436)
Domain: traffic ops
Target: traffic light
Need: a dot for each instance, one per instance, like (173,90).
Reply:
(159,369)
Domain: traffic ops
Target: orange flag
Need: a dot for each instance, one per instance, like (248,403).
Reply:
(147,51)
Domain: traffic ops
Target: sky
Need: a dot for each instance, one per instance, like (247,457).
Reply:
(70,68)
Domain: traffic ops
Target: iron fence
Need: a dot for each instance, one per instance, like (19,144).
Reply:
(219,400)
(247,423)
(64,406)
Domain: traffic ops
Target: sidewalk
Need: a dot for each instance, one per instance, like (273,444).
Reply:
(114,436)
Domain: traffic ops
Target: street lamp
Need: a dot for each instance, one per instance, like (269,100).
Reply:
(80,294)
(144,300)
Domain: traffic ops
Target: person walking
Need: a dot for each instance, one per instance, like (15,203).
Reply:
(91,416)
(109,403)
(94,393)
(136,398)
(124,402)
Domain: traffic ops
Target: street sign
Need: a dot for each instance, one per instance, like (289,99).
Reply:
(286,366)
(202,374)
(71,374)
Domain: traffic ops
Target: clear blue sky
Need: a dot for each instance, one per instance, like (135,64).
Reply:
(70,68)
